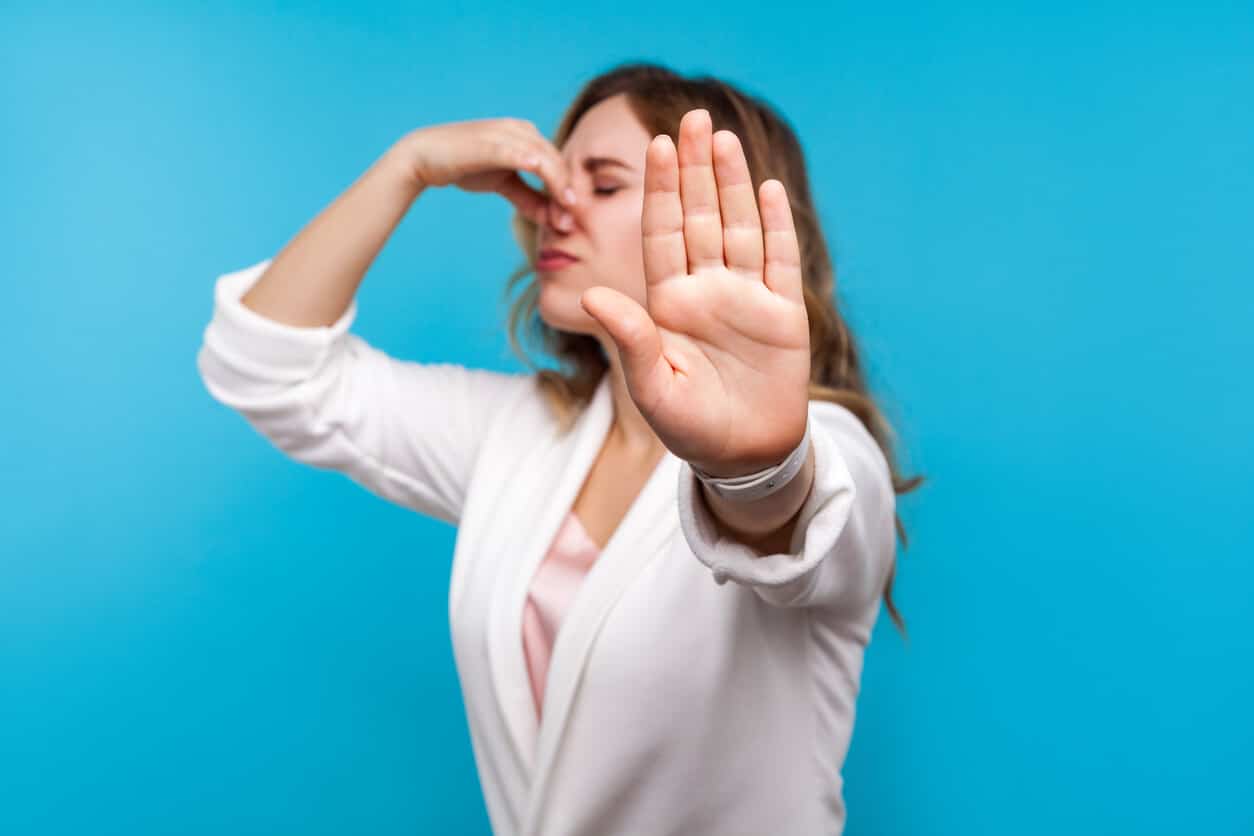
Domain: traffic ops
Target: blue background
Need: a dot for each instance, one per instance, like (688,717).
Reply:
(1041,219)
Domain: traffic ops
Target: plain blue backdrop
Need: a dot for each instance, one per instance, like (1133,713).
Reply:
(1042,224)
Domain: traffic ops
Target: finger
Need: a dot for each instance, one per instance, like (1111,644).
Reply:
(703,227)
(549,166)
(556,175)
(783,255)
(530,204)
(742,228)
(647,372)
(662,217)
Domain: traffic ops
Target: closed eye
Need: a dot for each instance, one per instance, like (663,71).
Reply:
(608,190)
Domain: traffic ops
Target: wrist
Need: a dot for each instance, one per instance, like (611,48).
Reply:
(404,160)
(762,483)
(754,522)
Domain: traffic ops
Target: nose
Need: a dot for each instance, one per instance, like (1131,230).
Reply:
(557,217)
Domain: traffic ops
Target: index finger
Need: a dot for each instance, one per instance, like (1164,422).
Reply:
(550,166)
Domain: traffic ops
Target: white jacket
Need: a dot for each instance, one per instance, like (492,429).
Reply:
(676,703)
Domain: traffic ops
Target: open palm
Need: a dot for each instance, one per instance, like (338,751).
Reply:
(719,363)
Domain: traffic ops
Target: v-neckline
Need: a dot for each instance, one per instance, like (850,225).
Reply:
(604,393)
(583,532)
(605,580)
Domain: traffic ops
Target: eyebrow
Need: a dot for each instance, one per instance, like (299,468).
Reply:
(593,163)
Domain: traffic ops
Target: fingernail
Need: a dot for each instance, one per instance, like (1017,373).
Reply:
(565,222)
(569,194)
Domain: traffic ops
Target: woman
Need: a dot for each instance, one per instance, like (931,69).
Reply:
(712,425)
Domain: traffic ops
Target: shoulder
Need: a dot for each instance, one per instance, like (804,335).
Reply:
(518,402)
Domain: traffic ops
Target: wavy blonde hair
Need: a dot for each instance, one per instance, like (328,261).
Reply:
(659,98)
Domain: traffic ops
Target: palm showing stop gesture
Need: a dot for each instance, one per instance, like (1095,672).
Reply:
(719,363)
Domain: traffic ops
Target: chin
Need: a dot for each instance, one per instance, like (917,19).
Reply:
(562,312)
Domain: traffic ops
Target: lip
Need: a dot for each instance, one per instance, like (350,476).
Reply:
(554,259)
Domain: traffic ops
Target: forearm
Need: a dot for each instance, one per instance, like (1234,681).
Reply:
(312,280)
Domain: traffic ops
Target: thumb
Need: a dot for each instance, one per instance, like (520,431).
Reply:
(639,344)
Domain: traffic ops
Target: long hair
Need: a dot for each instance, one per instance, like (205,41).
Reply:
(659,98)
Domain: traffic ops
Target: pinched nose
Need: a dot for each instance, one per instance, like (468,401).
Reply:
(557,217)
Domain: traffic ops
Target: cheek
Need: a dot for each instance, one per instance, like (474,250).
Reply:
(628,245)
(618,246)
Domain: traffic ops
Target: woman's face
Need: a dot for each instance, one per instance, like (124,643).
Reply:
(605,158)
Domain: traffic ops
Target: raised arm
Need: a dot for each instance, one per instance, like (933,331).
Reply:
(278,349)
(312,280)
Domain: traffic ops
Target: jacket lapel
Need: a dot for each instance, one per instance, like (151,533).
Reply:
(650,521)
(553,474)
(641,536)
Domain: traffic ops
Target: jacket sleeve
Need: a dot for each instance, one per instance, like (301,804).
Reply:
(843,545)
(409,432)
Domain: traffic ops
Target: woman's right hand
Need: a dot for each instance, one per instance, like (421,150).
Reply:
(486,155)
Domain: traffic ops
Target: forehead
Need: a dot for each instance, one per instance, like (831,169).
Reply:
(609,129)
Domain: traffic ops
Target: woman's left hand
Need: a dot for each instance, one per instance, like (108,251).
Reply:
(719,363)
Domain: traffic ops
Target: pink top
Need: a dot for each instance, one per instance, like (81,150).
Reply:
(552,590)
